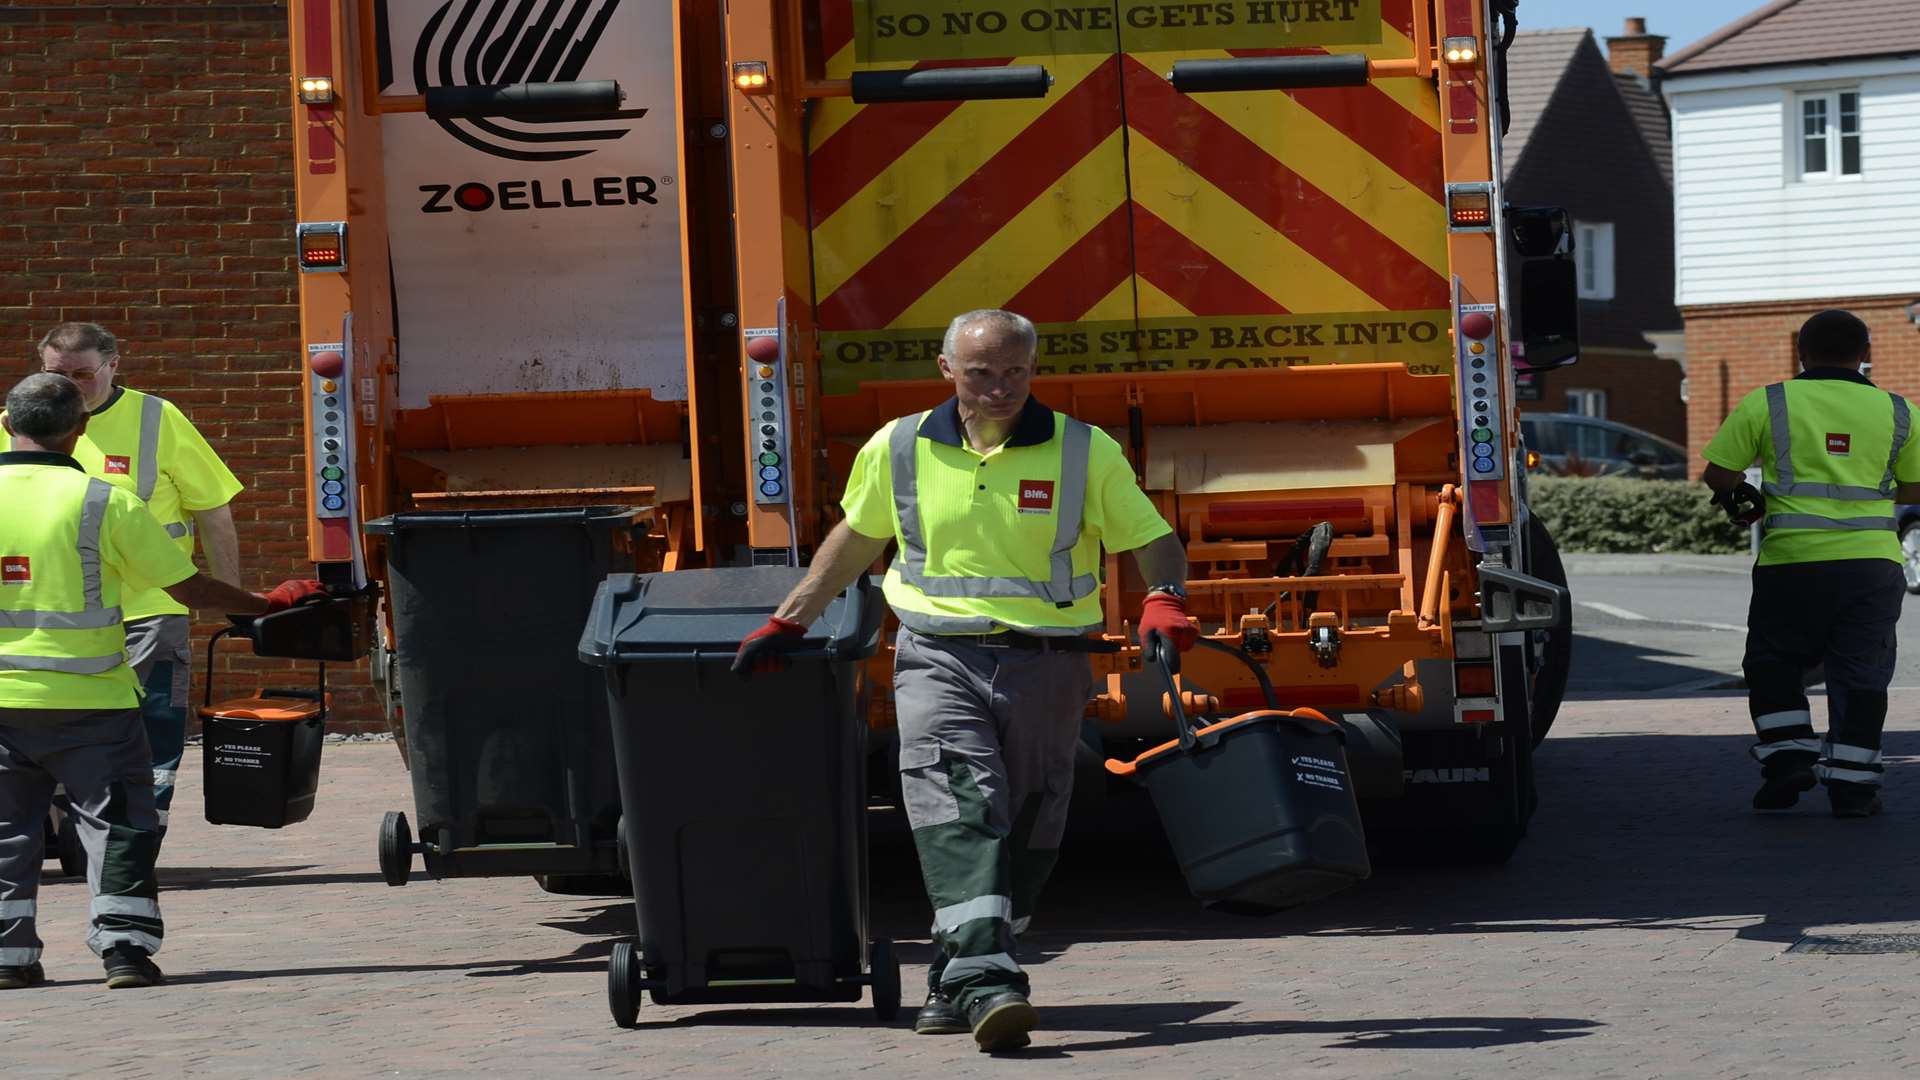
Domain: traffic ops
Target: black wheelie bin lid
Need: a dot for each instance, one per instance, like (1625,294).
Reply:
(701,615)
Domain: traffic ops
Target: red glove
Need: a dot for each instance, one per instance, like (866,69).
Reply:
(1166,615)
(761,650)
(292,594)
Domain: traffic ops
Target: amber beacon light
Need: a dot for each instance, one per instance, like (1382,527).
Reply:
(1460,50)
(750,77)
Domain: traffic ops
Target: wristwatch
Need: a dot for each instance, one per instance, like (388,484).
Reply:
(1178,592)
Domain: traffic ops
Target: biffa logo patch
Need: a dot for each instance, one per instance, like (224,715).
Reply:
(1036,496)
(118,465)
(15,570)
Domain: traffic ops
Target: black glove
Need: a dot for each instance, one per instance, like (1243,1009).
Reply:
(1743,503)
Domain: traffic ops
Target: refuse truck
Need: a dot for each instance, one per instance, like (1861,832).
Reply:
(685,259)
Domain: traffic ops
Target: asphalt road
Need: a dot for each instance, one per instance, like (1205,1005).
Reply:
(1673,624)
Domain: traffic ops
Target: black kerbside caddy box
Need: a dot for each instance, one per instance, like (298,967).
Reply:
(1259,809)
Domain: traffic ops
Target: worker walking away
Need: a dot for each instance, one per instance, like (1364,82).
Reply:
(1835,454)
(146,445)
(1000,507)
(71,548)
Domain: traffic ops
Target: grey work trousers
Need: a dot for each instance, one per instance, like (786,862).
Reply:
(101,758)
(159,651)
(987,739)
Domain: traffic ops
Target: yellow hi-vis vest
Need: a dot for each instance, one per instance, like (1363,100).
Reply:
(56,611)
(1829,468)
(68,542)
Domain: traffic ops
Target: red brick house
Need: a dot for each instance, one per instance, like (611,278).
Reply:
(1590,133)
(1796,187)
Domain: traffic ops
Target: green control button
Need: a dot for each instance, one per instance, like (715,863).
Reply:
(769,459)
(1482,435)
(330,473)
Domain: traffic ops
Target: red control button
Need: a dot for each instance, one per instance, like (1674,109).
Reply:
(328,365)
(1476,325)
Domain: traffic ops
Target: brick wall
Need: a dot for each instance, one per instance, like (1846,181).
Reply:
(1734,348)
(145,185)
(1642,390)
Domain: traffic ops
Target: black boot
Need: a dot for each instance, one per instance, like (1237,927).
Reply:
(1783,778)
(1001,1021)
(129,966)
(1853,800)
(940,1016)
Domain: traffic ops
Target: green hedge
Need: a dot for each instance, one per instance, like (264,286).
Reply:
(1618,514)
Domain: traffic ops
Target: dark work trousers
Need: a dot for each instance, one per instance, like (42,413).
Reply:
(987,738)
(1838,613)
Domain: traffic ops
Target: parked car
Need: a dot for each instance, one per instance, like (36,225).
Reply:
(1568,444)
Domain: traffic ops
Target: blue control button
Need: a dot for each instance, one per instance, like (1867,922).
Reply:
(1483,464)
(334,502)
(1482,449)
(769,473)
(770,488)
(332,487)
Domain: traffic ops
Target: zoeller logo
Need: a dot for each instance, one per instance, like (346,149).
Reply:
(508,42)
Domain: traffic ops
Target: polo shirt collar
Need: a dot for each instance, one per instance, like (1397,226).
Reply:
(1033,427)
(37,457)
(1843,374)
(112,400)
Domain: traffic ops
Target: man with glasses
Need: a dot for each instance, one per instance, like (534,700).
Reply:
(147,446)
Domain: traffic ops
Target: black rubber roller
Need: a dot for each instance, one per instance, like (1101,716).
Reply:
(526,101)
(1269,73)
(951,84)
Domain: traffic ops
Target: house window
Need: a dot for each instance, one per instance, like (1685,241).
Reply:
(1593,255)
(1829,135)
(1587,403)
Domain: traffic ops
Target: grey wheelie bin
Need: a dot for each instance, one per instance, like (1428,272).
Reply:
(746,798)
(510,751)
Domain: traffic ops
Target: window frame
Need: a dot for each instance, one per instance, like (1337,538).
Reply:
(1833,137)
(1593,240)
(1589,394)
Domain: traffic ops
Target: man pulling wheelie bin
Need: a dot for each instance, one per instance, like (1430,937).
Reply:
(1000,507)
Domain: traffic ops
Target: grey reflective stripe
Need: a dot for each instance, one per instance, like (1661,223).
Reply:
(1782,434)
(1020,924)
(151,411)
(104,938)
(980,907)
(1902,421)
(961,966)
(1783,482)
(18,957)
(1815,521)
(16,909)
(96,619)
(1790,718)
(1863,777)
(178,529)
(72,665)
(93,513)
(1766,750)
(1854,755)
(1070,497)
(126,905)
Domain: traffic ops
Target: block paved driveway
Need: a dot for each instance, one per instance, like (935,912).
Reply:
(1642,931)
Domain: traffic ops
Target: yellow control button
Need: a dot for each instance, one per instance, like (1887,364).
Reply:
(765,372)
(1476,348)
(329,386)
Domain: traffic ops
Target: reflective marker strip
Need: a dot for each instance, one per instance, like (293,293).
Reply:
(18,957)
(1789,718)
(1849,776)
(102,940)
(98,619)
(162,814)
(163,777)
(1857,755)
(93,513)
(1766,750)
(17,909)
(137,906)
(151,411)
(980,907)
(72,665)
(178,529)
(961,966)
(1815,521)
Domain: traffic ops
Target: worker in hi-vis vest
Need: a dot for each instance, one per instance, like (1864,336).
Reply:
(72,548)
(1835,453)
(1000,507)
(146,445)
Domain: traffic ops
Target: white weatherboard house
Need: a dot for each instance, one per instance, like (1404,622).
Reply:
(1796,166)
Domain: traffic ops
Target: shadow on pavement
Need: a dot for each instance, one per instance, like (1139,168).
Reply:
(589,956)
(1604,669)
(1636,830)
(252,877)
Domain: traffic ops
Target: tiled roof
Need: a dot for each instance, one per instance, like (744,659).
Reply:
(1650,116)
(1536,61)
(1798,31)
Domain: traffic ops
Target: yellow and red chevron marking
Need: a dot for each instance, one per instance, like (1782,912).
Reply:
(1117,201)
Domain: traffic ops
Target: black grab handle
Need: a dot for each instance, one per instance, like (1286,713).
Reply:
(1166,658)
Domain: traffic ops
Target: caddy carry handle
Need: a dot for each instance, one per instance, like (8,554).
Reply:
(1167,659)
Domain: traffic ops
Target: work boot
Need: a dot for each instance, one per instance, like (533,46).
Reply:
(22,976)
(1854,800)
(1782,779)
(940,1016)
(129,966)
(1001,1021)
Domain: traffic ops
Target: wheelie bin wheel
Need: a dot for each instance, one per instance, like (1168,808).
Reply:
(623,984)
(73,857)
(396,848)
(886,980)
